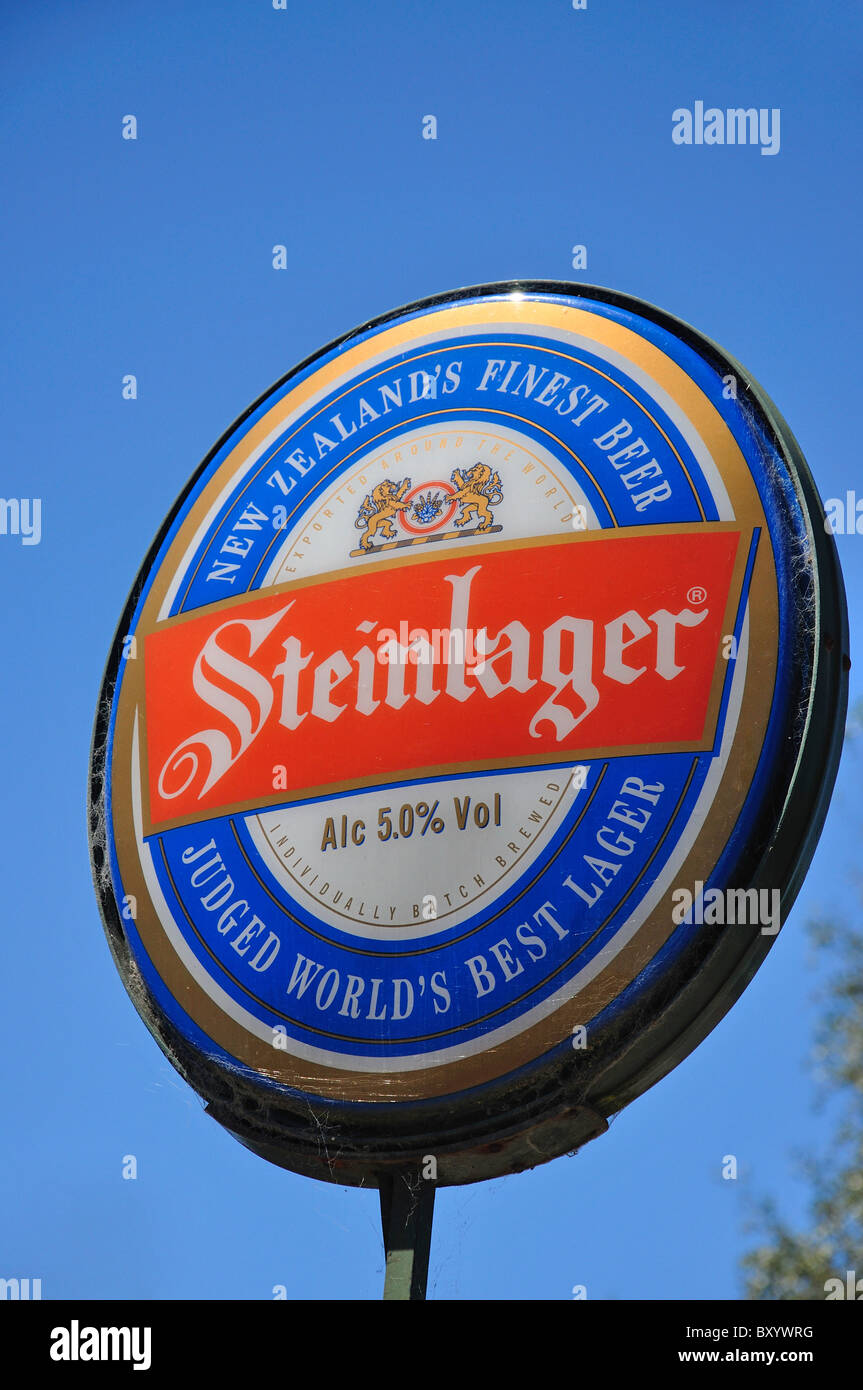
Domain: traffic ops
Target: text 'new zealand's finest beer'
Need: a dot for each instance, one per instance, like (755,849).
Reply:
(482,687)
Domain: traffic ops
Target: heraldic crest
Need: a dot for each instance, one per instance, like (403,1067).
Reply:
(427,515)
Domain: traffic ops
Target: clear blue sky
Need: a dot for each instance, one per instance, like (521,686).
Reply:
(154,257)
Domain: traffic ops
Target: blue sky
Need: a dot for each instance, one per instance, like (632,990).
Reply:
(302,127)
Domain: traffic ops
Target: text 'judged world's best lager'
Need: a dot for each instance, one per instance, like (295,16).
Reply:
(468,732)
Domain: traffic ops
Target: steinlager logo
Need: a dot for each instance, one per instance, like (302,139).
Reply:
(575,682)
(476,643)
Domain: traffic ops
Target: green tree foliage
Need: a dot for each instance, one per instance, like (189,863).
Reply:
(791,1264)
(797,1264)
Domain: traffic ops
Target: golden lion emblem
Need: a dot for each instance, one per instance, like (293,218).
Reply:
(374,518)
(479,489)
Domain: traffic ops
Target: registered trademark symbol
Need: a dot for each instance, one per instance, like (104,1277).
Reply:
(696,594)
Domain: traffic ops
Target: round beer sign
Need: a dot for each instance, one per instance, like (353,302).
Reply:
(468,732)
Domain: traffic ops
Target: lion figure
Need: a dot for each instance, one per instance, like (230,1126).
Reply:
(378,509)
(479,489)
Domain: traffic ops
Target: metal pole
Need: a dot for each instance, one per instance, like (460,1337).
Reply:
(407,1208)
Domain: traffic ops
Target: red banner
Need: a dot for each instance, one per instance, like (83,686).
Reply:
(533,652)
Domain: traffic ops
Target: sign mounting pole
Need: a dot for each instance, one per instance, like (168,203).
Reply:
(407,1209)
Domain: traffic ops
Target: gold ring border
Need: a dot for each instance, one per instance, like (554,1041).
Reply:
(456,1075)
